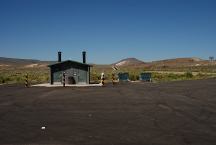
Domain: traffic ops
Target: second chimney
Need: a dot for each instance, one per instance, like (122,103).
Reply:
(59,56)
(84,56)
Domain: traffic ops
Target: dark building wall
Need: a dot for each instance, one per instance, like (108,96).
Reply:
(74,72)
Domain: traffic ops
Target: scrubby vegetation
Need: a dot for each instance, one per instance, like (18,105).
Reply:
(157,76)
(19,76)
(42,75)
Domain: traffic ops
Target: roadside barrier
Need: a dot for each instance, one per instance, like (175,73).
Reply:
(26,81)
(102,79)
(63,79)
(113,78)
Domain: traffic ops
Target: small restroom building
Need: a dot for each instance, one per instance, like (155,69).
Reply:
(75,72)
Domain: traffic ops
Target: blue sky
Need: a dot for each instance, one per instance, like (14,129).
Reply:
(109,30)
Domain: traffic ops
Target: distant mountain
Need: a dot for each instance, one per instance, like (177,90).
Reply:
(25,63)
(7,63)
(181,62)
(4,60)
(129,62)
(175,62)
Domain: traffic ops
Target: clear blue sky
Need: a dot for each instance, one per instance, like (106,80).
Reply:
(108,30)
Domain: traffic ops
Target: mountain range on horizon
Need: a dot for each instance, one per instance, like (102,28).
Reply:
(28,63)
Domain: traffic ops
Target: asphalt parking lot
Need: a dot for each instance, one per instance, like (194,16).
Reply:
(173,113)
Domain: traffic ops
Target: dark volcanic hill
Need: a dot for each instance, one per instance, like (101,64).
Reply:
(129,62)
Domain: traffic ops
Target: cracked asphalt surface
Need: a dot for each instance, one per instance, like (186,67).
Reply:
(173,113)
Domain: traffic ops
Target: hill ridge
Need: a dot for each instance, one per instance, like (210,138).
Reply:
(129,61)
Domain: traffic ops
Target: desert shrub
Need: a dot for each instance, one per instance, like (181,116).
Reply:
(94,76)
(157,76)
(38,77)
(137,77)
(19,79)
(2,80)
(188,74)
(108,76)
(172,76)
(7,79)
(200,75)
(134,75)
(163,77)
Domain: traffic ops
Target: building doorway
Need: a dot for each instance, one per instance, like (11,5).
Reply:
(71,80)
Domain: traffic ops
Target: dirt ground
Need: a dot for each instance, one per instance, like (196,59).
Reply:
(174,113)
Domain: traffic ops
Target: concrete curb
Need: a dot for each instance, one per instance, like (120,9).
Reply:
(61,85)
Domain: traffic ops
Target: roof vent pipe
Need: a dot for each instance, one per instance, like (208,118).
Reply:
(84,56)
(59,56)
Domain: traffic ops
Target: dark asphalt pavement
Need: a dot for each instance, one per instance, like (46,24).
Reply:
(174,113)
